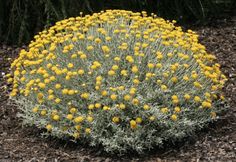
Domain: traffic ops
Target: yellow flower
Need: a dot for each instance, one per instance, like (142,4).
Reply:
(106,108)
(56,117)
(21,79)
(159,81)
(105,49)
(146,107)
(65,91)
(117,58)
(68,77)
(174,97)
(197,84)
(70,65)
(174,79)
(175,101)
(42,85)
(187,96)
(90,106)
(177,109)
(104,93)
(214,88)
(144,45)
(108,38)
(169,54)
(51,97)
(39,96)
(138,120)
(121,88)
(84,95)
(76,135)
(194,76)
(116,119)
(69,116)
(186,78)
(88,130)
(197,99)
(77,127)
(90,48)
(158,65)
(90,119)
(159,56)
(73,110)
(111,72)
(206,104)
(129,59)
(135,101)
(35,109)
(136,81)
(164,110)
(174,117)
(97,40)
(134,69)
(80,71)
(43,112)
(113,97)
(99,78)
(83,56)
(213,115)
(208,95)
(222,97)
(52,78)
(152,118)
(165,74)
(124,72)
(163,87)
(133,124)
(149,75)
(79,119)
(115,67)
(122,106)
(71,92)
(127,97)
(132,91)
(73,56)
(49,127)
(57,100)
(97,105)
(150,65)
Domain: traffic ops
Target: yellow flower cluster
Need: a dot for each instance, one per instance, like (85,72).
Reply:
(117,67)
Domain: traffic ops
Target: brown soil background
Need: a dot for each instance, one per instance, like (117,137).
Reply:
(217,142)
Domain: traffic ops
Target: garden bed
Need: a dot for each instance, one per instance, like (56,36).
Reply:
(217,142)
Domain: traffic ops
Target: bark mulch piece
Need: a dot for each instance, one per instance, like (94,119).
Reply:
(217,142)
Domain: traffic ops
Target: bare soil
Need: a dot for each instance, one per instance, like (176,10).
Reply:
(217,142)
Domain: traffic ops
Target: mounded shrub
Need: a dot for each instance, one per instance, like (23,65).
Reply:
(117,79)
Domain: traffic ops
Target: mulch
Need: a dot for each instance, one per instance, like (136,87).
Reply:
(217,142)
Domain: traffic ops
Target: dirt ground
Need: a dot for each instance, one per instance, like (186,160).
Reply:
(214,143)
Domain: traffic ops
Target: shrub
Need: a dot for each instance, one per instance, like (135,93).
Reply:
(123,80)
